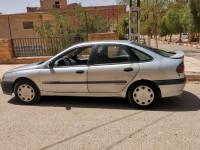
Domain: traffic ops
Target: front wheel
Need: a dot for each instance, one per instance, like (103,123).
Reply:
(27,92)
(143,95)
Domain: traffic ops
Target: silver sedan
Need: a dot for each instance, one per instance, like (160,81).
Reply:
(101,69)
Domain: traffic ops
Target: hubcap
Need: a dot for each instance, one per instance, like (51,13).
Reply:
(26,92)
(143,95)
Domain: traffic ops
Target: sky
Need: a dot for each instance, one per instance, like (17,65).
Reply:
(19,6)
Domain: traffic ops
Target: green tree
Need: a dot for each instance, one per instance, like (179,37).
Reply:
(151,13)
(177,20)
(176,24)
(90,23)
(123,26)
(72,23)
(163,30)
(195,11)
(58,32)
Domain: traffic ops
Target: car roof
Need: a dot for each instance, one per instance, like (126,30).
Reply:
(105,41)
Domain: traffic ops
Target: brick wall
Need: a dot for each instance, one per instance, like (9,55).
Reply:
(108,12)
(5,50)
(49,3)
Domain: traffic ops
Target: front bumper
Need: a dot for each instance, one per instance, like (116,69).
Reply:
(7,87)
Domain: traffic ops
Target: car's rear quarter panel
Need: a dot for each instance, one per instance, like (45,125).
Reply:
(160,68)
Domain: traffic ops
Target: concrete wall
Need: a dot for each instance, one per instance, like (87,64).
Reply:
(4,27)
(44,4)
(103,36)
(12,25)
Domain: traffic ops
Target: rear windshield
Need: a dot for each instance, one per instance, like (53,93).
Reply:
(155,50)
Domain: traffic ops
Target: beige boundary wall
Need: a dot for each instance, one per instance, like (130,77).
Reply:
(103,36)
(6,55)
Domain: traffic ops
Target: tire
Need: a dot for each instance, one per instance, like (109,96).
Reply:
(143,95)
(27,92)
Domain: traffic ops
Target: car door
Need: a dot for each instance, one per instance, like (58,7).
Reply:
(111,68)
(67,77)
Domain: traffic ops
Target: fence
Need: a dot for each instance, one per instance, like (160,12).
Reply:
(27,47)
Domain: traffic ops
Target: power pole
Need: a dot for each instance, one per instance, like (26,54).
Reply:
(138,20)
(130,20)
(86,23)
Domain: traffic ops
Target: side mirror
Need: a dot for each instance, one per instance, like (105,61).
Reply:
(50,65)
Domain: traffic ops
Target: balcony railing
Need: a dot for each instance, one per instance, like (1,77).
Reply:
(56,6)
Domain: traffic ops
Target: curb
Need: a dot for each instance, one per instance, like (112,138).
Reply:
(193,77)
(181,44)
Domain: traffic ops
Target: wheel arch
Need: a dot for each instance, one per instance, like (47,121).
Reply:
(145,81)
(20,79)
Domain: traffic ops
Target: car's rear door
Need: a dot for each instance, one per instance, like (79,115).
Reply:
(111,68)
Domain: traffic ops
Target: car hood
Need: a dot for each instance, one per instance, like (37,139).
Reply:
(25,67)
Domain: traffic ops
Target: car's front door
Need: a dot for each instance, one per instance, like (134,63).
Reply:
(69,72)
(111,68)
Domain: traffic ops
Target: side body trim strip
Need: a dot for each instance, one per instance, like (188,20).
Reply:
(83,82)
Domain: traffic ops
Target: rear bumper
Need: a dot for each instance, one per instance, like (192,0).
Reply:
(7,87)
(171,88)
(170,82)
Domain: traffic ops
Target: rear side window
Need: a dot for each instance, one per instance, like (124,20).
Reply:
(139,55)
(108,53)
(155,50)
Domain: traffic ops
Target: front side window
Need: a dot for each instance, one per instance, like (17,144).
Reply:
(74,57)
(105,54)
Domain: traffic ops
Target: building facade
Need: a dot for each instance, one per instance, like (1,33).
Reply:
(21,25)
(108,12)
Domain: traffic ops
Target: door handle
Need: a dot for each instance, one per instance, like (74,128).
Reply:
(79,71)
(128,69)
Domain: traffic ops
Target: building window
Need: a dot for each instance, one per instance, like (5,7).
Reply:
(56,5)
(28,25)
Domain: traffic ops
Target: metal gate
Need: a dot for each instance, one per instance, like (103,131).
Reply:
(28,47)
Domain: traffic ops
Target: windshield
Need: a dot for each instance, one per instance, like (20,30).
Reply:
(155,50)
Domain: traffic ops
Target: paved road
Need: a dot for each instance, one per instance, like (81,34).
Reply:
(189,51)
(101,123)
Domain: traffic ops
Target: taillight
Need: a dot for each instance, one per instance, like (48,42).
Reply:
(180,68)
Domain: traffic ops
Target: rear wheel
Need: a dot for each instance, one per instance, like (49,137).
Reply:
(143,95)
(27,92)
